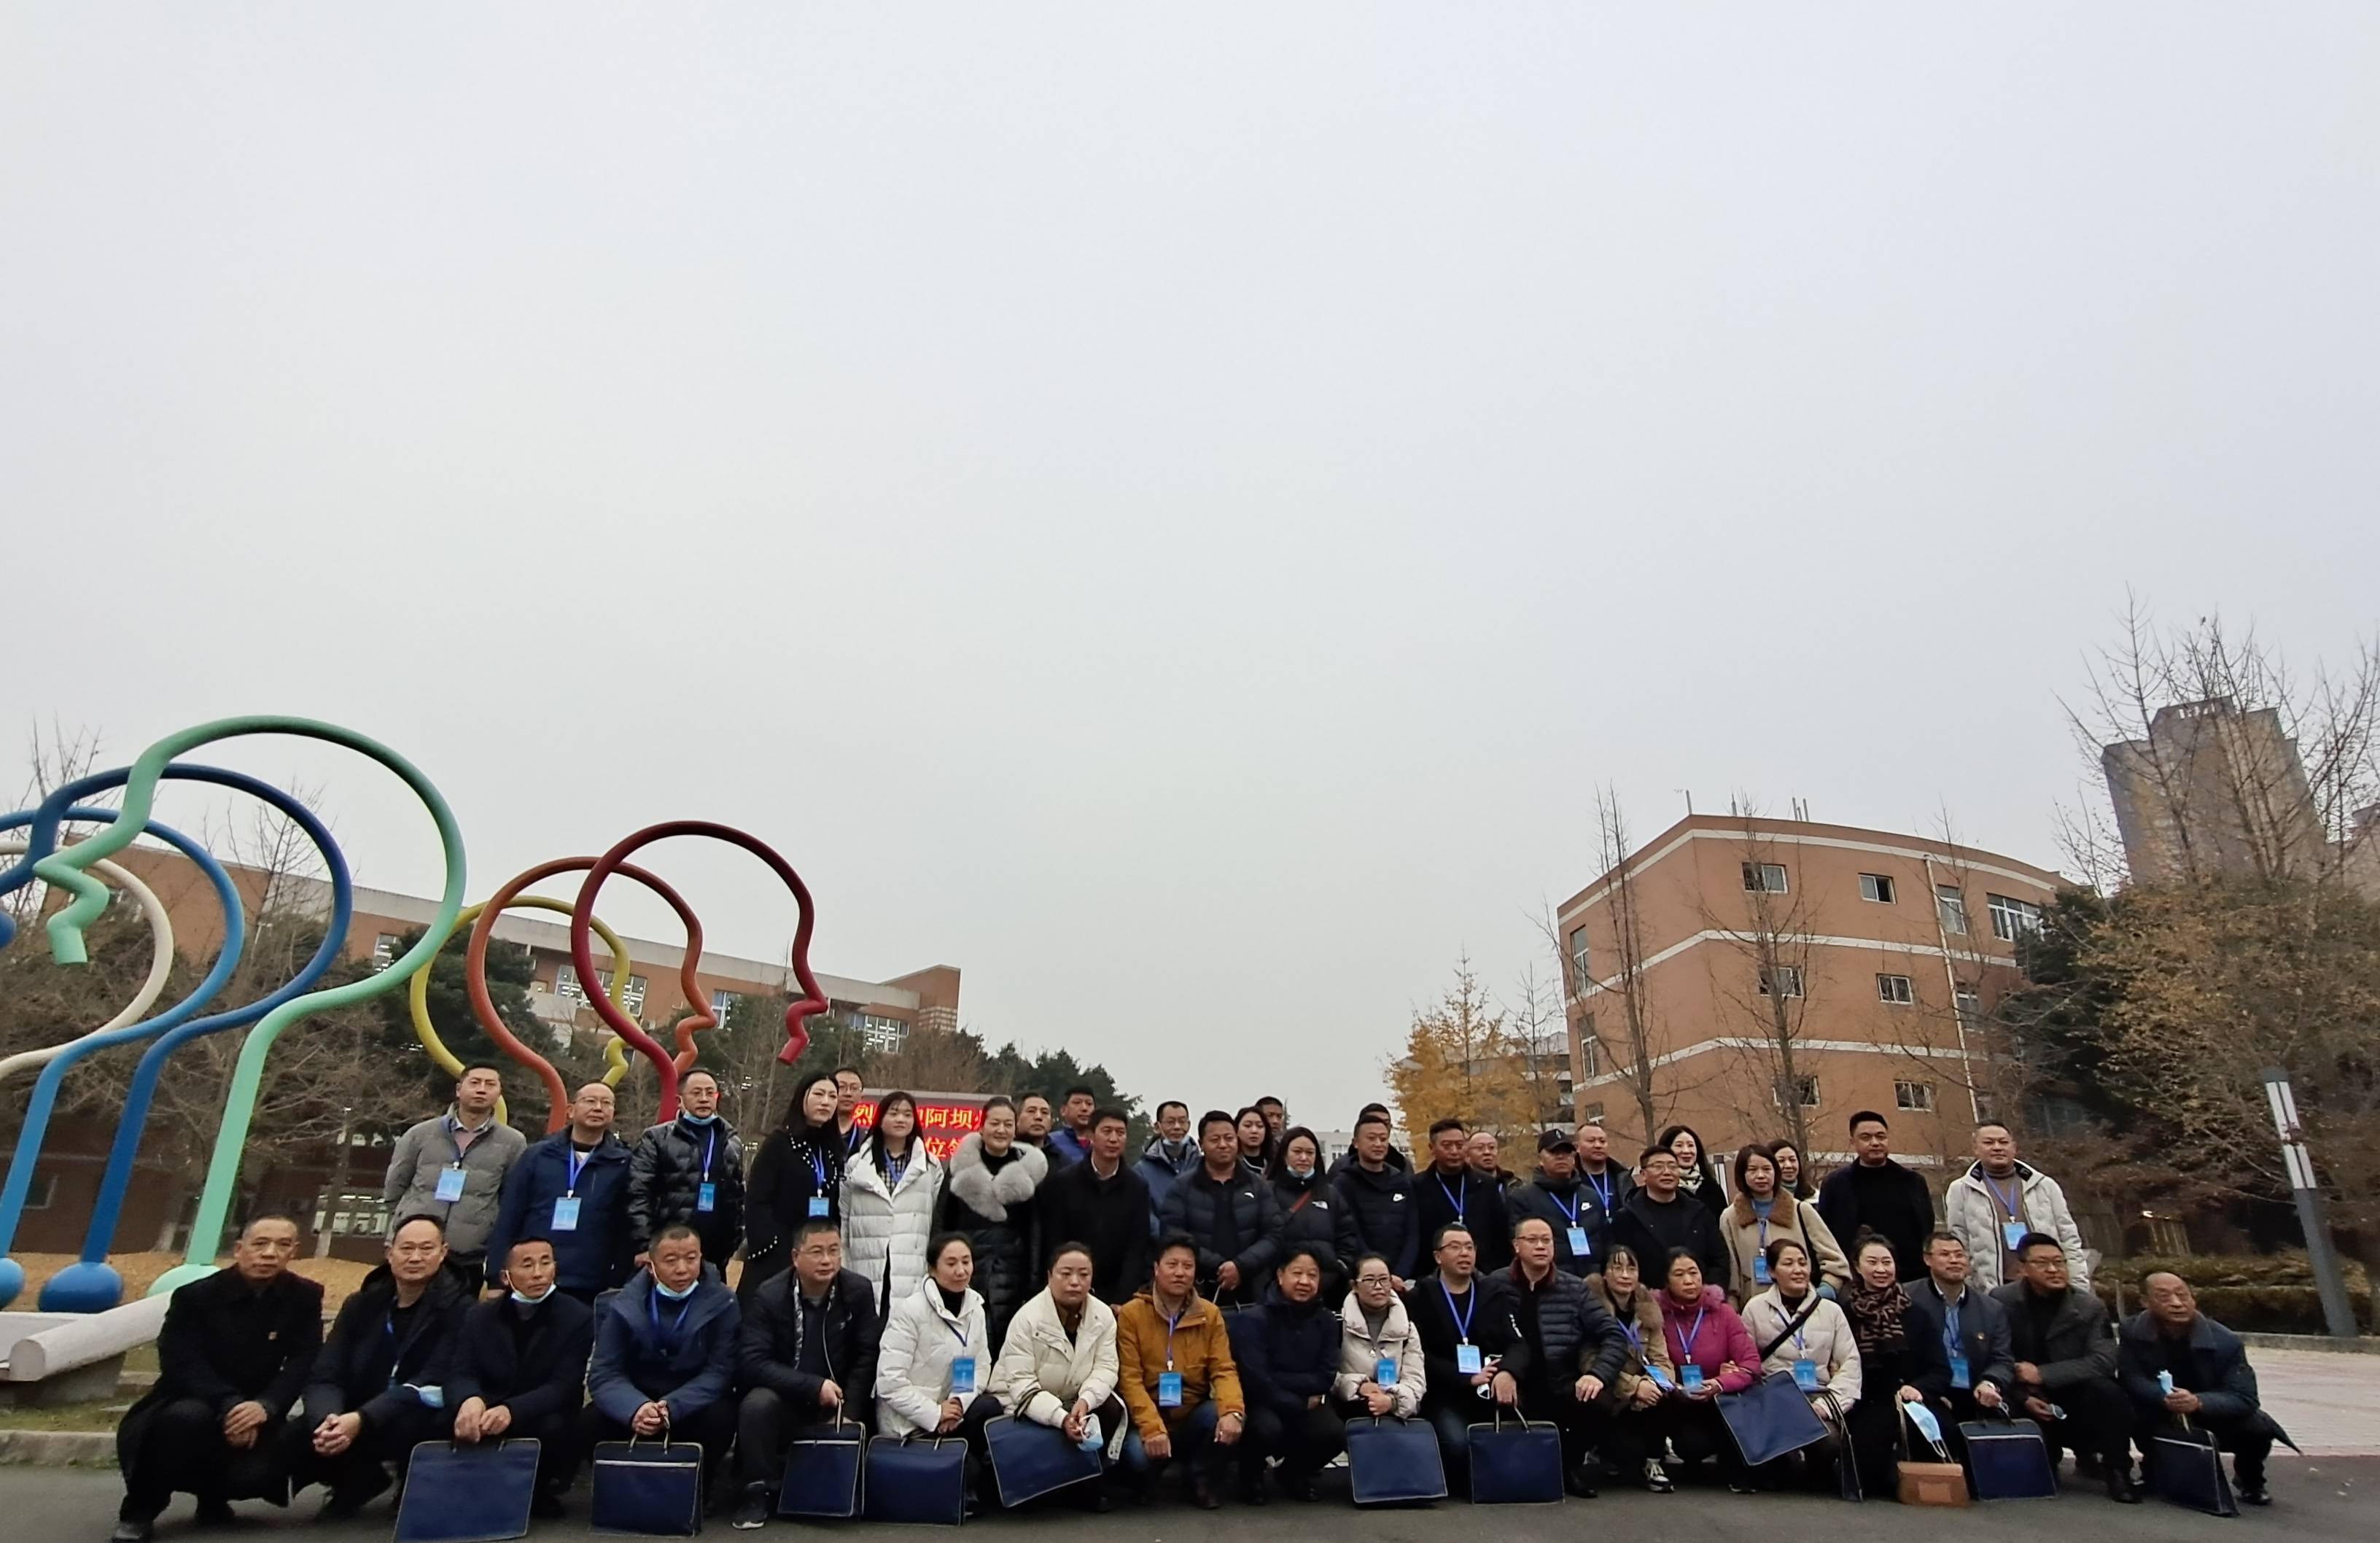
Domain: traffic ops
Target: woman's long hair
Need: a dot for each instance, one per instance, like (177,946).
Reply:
(795,1125)
(1702,1154)
(1277,1169)
(1804,1186)
(876,1131)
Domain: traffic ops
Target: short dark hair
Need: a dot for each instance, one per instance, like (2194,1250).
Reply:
(1743,1157)
(1863,1117)
(1071,1247)
(1867,1238)
(1943,1234)
(940,1241)
(409,1217)
(1090,1093)
(812,1228)
(523,1242)
(1995,1125)
(1670,1262)
(1614,1251)
(1024,1099)
(854,1071)
(1371,1117)
(1172,1241)
(2037,1240)
(1776,1250)
(1216,1117)
(1381,1109)
(674,1231)
(1268,1098)
(470,1066)
(694,1072)
(1437,1239)
(998,1100)
(268,1215)
(1173,1104)
(1649,1153)
(1102,1116)
(1439,1127)
(1307,1251)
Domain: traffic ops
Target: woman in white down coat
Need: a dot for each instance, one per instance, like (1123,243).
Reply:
(1376,1335)
(1058,1366)
(889,1195)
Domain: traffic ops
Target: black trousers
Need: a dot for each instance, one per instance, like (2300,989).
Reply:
(179,1448)
(2099,1420)
(379,1443)
(1304,1441)
(1583,1426)
(766,1424)
(2248,1438)
(1631,1434)
(1698,1432)
(713,1427)
(1959,1405)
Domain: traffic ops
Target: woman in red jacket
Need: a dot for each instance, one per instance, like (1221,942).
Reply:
(1714,1353)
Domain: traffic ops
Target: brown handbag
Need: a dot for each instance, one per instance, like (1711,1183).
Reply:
(1943,1482)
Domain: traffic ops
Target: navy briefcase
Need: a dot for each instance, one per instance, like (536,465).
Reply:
(921,1480)
(647,1489)
(1030,1460)
(2007,1459)
(822,1472)
(1393,1461)
(1771,1418)
(1515,1462)
(2185,1467)
(476,1493)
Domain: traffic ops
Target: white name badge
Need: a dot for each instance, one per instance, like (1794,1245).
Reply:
(1466,1359)
(449,1183)
(963,1373)
(1579,1247)
(566,1213)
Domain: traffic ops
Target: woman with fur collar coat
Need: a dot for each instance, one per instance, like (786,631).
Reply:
(988,1197)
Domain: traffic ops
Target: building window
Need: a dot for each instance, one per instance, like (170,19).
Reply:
(1803,1091)
(565,983)
(1970,1008)
(1580,976)
(385,948)
(1953,908)
(1894,989)
(1591,1114)
(1763,877)
(45,1191)
(1916,1095)
(1876,887)
(881,1033)
(722,1001)
(1787,978)
(2013,918)
(1590,1049)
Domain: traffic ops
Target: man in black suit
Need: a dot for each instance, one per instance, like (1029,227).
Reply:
(379,1385)
(520,1369)
(231,1360)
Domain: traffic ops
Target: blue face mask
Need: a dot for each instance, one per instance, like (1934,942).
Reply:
(532,1301)
(677,1295)
(692,1118)
(1300,1174)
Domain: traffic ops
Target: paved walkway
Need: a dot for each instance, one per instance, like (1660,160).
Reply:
(2330,1403)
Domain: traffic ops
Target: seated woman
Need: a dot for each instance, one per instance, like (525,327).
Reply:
(1765,1211)
(932,1367)
(1642,1427)
(1383,1372)
(1058,1365)
(1714,1354)
(1178,1380)
(1798,1330)
(1289,1361)
(1874,1306)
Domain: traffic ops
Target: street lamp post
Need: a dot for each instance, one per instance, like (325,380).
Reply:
(2336,1311)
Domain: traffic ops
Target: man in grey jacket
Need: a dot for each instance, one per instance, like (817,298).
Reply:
(452,1166)
(1999,1200)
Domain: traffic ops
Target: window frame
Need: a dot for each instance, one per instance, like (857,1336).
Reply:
(2012,917)
(1950,902)
(1755,879)
(1877,889)
(1912,1096)
(1789,975)
(1895,991)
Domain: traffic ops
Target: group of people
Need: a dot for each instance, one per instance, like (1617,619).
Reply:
(1222,1305)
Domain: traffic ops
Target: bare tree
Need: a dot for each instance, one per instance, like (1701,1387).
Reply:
(52,761)
(1767,995)
(1539,1036)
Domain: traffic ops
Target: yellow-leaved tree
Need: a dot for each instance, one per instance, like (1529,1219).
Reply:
(1462,1058)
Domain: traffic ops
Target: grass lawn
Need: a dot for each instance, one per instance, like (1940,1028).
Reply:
(101,1417)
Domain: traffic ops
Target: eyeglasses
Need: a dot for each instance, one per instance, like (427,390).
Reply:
(1374,1280)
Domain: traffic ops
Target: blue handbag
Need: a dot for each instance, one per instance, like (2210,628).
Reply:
(2184,1467)
(475,1493)
(920,1480)
(1394,1462)
(648,1488)
(1771,1418)
(822,1472)
(2007,1459)
(1515,1462)
(1030,1460)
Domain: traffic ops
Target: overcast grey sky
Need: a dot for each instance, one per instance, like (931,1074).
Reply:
(1170,509)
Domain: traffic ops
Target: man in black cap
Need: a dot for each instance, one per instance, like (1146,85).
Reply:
(1555,1197)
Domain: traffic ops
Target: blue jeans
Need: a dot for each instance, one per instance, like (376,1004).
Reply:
(1193,1435)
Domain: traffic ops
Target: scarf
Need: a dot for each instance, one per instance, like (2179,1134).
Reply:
(1691,1180)
(1876,1317)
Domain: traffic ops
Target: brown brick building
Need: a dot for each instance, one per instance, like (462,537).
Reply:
(1777,960)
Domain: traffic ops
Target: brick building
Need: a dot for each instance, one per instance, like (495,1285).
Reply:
(1772,960)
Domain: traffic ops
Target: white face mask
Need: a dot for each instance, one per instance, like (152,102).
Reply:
(1302,1174)
(533,1301)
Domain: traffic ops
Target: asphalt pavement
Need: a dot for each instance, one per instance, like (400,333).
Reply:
(2312,1498)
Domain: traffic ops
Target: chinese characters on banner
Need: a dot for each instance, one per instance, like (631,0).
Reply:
(942,1122)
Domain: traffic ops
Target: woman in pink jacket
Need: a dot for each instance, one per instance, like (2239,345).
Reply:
(1714,1353)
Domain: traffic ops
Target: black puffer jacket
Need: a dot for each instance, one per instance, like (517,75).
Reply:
(1575,1334)
(1561,1205)
(666,1180)
(785,1177)
(1195,1206)
(990,1200)
(1313,1216)
(1387,1221)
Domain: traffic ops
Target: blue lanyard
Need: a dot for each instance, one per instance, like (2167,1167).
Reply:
(894,1168)
(2013,1201)
(1457,1198)
(961,1332)
(710,1145)
(578,1162)
(1570,1212)
(1463,1316)
(854,1141)
(653,1305)
(1168,1340)
(1950,1321)
(1602,1191)
(1686,1341)
(818,1164)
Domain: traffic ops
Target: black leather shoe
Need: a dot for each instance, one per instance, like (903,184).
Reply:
(1298,1489)
(132,1532)
(546,1506)
(216,1513)
(2254,1493)
(2120,1487)
(1581,1483)
(753,1511)
(1202,1495)
(1252,1491)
